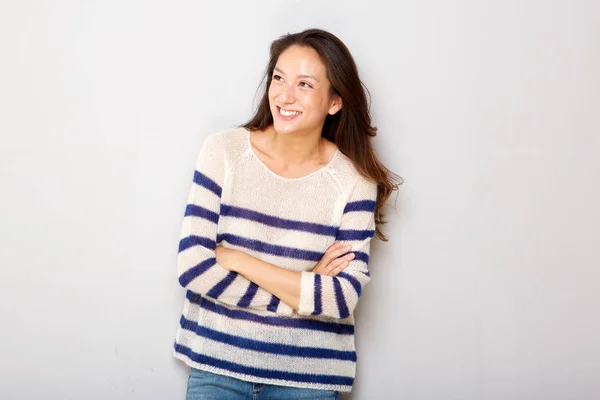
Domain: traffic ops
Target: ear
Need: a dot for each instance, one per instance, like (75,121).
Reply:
(336,105)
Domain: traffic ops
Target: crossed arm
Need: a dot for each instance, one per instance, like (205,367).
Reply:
(282,283)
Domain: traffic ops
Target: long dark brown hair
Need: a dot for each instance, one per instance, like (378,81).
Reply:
(350,128)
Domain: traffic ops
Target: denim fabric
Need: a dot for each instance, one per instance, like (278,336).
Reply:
(203,385)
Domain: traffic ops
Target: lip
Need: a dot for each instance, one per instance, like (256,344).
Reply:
(284,117)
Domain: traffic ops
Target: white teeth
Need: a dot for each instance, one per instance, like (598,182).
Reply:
(288,113)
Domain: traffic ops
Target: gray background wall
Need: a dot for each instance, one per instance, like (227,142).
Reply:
(488,288)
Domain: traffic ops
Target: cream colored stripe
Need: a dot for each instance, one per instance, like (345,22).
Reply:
(258,359)
(202,196)
(283,237)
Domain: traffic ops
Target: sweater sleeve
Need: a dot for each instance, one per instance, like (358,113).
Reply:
(337,296)
(197,266)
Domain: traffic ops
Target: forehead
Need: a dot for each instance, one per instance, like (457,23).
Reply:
(298,60)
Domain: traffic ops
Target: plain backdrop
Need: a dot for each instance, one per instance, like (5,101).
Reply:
(490,110)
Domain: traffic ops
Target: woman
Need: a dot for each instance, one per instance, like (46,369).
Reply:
(276,235)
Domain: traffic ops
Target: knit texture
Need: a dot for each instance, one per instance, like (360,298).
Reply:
(233,327)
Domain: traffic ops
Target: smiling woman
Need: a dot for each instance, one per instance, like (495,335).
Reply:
(300,99)
(276,235)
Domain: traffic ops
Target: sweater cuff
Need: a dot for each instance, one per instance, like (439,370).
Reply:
(284,309)
(307,293)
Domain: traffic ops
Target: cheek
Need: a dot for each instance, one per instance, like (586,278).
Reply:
(317,99)
(273,91)
(319,103)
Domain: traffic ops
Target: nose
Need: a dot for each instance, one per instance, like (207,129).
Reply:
(288,94)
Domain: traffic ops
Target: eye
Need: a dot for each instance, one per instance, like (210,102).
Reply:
(307,84)
(276,77)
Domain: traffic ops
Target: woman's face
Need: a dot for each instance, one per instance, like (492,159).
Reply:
(299,92)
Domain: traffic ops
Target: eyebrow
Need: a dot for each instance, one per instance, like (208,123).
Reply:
(300,76)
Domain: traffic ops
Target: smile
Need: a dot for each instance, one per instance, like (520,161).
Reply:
(287,114)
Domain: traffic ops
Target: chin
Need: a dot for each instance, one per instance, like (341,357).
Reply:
(283,129)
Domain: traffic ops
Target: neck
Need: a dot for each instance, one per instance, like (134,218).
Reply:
(296,148)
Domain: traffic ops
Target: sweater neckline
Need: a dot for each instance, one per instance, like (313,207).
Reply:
(324,168)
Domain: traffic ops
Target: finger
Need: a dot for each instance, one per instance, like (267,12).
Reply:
(335,245)
(342,266)
(333,265)
(340,263)
(334,248)
(339,251)
(346,257)
(339,269)
(333,254)
(326,267)
(317,269)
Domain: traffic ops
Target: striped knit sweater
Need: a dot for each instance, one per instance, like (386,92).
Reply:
(231,326)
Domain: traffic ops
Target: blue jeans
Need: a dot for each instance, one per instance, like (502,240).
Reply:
(203,385)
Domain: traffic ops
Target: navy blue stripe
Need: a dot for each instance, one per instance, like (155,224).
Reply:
(267,347)
(196,271)
(361,205)
(206,182)
(318,306)
(266,219)
(273,304)
(352,280)
(300,323)
(281,251)
(262,247)
(192,240)
(263,373)
(339,298)
(198,211)
(266,248)
(354,234)
(247,298)
(358,255)
(220,287)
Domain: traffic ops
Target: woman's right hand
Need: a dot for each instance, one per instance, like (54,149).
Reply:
(331,265)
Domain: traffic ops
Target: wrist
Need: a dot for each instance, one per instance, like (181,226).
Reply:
(226,258)
(236,261)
